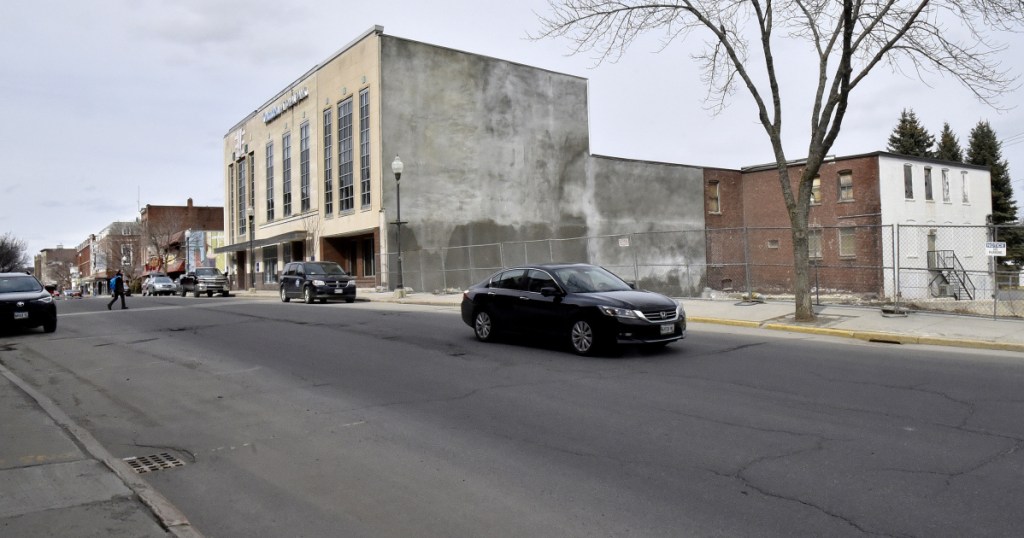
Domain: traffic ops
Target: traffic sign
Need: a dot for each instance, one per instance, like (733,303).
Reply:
(995,248)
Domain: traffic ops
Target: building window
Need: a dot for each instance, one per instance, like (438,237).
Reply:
(304,167)
(908,182)
(928,184)
(270,181)
(945,185)
(847,242)
(963,188)
(714,198)
(845,186)
(328,171)
(816,190)
(270,264)
(286,180)
(773,243)
(814,243)
(369,259)
(231,203)
(240,182)
(364,148)
(346,198)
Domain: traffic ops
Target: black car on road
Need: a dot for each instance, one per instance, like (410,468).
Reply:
(25,303)
(317,281)
(585,306)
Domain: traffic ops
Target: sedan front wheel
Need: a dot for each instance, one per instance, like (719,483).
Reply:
(582,338)
(483,326)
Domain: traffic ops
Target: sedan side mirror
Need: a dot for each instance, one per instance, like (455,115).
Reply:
(550,291)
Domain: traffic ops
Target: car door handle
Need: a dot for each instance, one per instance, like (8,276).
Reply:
(523,298)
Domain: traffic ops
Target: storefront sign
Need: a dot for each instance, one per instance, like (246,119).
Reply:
(290,101)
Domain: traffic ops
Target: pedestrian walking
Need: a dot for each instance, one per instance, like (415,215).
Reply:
(117,284)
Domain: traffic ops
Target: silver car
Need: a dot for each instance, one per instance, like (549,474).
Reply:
(160,285)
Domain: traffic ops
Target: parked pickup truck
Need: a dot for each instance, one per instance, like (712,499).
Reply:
(208,280)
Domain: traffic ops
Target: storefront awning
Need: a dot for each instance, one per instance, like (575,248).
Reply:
(266,242)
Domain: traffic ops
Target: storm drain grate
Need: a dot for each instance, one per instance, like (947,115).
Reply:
(156,462)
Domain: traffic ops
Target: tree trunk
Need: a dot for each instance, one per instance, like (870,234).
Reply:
(801,277)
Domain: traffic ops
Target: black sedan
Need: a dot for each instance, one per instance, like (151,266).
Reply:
(585,306)
(25,303)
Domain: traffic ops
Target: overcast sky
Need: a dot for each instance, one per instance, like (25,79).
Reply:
(107,105)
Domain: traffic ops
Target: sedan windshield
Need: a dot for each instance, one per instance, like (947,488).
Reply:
(589,279)
(18,284)
(162,280)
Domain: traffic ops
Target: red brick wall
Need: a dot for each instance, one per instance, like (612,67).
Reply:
(767,245)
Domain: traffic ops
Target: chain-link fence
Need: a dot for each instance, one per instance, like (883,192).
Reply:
(924,267)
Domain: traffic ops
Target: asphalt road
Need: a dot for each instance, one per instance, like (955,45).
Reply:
(385,420)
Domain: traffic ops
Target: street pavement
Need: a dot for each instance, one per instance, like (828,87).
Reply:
(57,480)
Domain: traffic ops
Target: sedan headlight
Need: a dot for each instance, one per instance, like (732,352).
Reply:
(319,283)
(616,312)
(45,300)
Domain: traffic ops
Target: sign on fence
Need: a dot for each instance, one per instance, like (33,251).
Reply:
(995,248)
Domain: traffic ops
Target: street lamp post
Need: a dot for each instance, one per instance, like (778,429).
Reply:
(397,167)
(252,264)
(188,247)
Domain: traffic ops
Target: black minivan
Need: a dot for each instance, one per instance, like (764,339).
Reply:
(310,281)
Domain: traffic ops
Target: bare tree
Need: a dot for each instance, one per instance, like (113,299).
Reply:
(13,253)
(311,225)
(159,231)
(850,38)
(60,264)
(123,250)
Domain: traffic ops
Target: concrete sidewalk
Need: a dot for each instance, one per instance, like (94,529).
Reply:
(57,480)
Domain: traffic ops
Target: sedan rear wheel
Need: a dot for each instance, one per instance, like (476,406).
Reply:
(582,338)
(483,326)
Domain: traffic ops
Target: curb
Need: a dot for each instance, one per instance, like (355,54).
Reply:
(166,513)
(869,336)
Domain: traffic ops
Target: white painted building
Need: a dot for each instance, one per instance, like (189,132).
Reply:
(938,212)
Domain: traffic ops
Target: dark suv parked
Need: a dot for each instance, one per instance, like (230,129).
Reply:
(317,280)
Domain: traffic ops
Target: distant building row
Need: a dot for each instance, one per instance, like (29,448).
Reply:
(165,239)
(495,151)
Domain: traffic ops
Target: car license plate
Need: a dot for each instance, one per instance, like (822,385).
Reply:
(339,291)
(668,329)
(21,315)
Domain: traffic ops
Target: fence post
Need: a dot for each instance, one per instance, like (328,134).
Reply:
(746,260)
(636,261)
(423,282)
(896,265)
(995,276)
(444,271)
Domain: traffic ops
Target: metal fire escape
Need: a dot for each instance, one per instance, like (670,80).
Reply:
(950,279)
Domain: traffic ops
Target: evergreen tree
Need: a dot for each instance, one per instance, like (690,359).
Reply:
(949,146)
(985,149)
(909,137)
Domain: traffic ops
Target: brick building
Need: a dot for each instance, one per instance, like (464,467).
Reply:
(858,205)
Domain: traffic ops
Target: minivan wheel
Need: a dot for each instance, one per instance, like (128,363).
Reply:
(483,326)
(284,296)
(582,338)
(307,294)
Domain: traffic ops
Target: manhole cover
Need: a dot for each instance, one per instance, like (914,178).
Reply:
(156,462)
